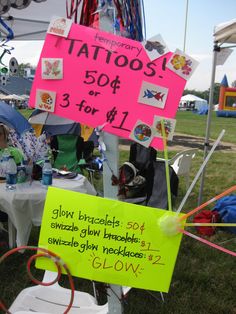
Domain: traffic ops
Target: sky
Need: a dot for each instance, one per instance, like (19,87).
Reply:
(168,18)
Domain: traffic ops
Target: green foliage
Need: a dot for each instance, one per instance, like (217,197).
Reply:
(23,66)
(216,93)
(25,112)
(233,84)
(205,94)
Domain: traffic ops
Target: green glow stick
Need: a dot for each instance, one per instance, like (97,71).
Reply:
(210,224)
(166,165)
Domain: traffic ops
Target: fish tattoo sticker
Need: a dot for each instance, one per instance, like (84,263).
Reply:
(153,95)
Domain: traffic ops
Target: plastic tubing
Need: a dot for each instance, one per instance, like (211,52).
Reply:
(48,254)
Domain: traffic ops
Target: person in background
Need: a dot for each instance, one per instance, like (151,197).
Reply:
(13,151)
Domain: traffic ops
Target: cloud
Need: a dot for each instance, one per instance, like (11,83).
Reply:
(201,57)
(201,78)
(25,51)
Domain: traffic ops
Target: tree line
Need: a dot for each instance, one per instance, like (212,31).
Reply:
(205,94)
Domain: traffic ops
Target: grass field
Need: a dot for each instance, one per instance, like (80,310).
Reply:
(204,278)
(193,124)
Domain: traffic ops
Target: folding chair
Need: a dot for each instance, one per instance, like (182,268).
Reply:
(153,170)
(54,299)
(181,163)
(72,152)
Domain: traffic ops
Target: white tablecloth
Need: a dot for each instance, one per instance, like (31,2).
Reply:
(25,205)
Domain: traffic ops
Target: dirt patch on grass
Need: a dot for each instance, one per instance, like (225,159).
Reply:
(185,141)
(181,142)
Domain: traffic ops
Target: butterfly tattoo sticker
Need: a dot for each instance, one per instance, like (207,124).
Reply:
(52,69)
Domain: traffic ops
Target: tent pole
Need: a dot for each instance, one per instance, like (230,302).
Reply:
(185,27)
(209,115)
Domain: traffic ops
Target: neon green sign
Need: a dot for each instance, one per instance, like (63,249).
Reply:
(108,240)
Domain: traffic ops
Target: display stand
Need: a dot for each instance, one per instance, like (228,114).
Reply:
(115,305)
(110,191)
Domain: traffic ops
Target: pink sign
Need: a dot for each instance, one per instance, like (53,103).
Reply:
(106,80)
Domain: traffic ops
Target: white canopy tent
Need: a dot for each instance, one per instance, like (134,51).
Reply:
(13,97)
(2,96)
(192,101)
(31,23)
(225,33)
(26,97)
(224,37)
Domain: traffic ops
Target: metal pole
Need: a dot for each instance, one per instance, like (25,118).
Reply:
(185,27)
(201,169)
(209,115)
(114,298)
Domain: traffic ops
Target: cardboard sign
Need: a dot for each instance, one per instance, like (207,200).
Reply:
(107,240)
(102,79)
